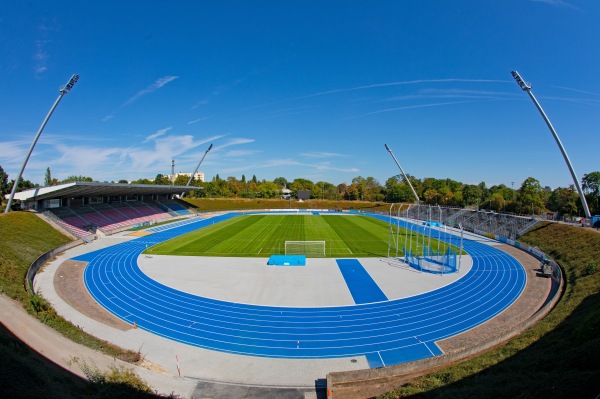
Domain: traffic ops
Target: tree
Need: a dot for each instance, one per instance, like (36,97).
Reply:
(352,192)
(181,180)
(23,185)
(563,201)
(591,186)
(591,183)
(77,178)
(497,201)
(280,181)
(531,196)
(432,197)
(48,178)
(472,194)
(161,180)
(123,181)
(3,183)
(268,190)
(142,181)
(301,184)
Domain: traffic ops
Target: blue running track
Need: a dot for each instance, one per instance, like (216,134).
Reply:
(362,287)
(386,332)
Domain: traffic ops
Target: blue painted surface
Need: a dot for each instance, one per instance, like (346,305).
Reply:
(397,331)
(374,360)
(287,260)
(360,283)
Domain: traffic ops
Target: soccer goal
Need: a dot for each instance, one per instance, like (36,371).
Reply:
(307,248)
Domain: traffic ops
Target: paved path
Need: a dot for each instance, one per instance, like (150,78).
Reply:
(61,350)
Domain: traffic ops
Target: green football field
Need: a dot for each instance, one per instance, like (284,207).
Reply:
(265,235)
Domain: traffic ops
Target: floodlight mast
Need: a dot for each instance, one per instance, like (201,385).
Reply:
(62,92)
(527,88)
(403,174)
(197,167)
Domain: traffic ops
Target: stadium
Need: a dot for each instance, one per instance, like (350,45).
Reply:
(325,303)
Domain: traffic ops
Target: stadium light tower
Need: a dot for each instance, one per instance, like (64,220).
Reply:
(527,88)
(197,167)
(403,174)
(64,90)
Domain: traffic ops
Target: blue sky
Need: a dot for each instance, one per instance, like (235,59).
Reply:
(310,89)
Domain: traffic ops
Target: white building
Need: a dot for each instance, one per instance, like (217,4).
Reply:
(199,176)
(286,193)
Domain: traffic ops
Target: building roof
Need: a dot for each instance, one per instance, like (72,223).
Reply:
(95,189)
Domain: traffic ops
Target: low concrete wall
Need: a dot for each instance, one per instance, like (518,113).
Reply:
(407,371)
(39,262)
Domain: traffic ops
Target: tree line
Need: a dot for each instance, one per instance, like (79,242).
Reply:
(528,198)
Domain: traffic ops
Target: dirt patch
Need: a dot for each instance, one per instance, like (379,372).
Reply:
(154,367)
(68,283)
(140,233)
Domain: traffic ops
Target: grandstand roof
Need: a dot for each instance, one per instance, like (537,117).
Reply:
(95,189)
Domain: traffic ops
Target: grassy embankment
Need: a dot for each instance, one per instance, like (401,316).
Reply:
(226,204)
(23,372)
(559,357)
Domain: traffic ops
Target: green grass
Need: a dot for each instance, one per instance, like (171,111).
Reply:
(24,238)
(559,357)
(265,235)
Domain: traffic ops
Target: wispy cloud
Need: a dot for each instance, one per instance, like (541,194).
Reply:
(159,133)
(150,89)
(182,148)
(321,154)
(412,107)
(12,153)
(453,93)
(233,141)
(197,120)
(558,3)
(199,104)
(240,153)
(386,84)
(578,91)
(41,54)
(279,163)
(40,57)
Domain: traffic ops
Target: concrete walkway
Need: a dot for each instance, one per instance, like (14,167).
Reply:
(61,350)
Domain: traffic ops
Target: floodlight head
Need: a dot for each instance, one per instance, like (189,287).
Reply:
(387,148)
(70,84)
(524,85)
(209,148)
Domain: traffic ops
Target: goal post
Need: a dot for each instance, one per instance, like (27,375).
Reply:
(307,248)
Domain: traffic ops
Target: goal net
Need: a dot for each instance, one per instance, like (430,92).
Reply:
(307,248)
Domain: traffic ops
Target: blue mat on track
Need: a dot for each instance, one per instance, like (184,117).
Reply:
(362,287)
(287,260)
(419,350)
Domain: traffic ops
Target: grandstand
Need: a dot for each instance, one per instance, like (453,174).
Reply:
(478,221)
(84,208)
